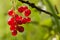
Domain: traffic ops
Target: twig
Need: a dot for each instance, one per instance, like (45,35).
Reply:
(56,9)
(33,6)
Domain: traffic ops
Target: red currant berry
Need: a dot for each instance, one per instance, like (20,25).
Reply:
(17,18)
(11,21)
(28,19)
(24,20)
(19,22)
(22,8)
(11,12)
(20,28)
(27,12)
(14,32)
(16,15)
(12,27)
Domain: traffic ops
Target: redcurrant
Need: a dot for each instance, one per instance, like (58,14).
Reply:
(14,32)
(27,12)
(20,28)
(11,12)
(18,19)
(24,20)
(22,8)
(12,27)
(28,19)
(11,21)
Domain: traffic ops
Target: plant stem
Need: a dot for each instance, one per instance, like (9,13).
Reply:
(54,15)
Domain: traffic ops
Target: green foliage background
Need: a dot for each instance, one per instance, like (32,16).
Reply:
(40,29)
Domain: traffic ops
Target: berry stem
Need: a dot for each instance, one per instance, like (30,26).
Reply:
(13,4)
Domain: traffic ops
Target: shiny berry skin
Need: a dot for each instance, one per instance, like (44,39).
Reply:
(22,8)
(14,32)
(19,22)
(20,28)
(24,20)
(27,12)
(12,27)
(18,19)
(28,19)
(11,21)
(16,15)
(11,12)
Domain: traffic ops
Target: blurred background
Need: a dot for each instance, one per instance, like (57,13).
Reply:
(39,29)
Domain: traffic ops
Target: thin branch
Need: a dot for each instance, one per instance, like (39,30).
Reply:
(56,9)
(33,6)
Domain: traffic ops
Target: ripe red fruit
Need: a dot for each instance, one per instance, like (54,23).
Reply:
(22,8)
(16,15)
(14,32)
(11,12)
(12,27)
(11,21)
(28,19)
(19,22)
(20,28)
(18,19)
(27,12)
(24,20)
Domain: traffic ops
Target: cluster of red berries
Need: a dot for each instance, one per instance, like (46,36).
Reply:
(15,21)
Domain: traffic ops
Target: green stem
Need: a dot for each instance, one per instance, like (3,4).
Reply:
(13,4)
(54,14)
